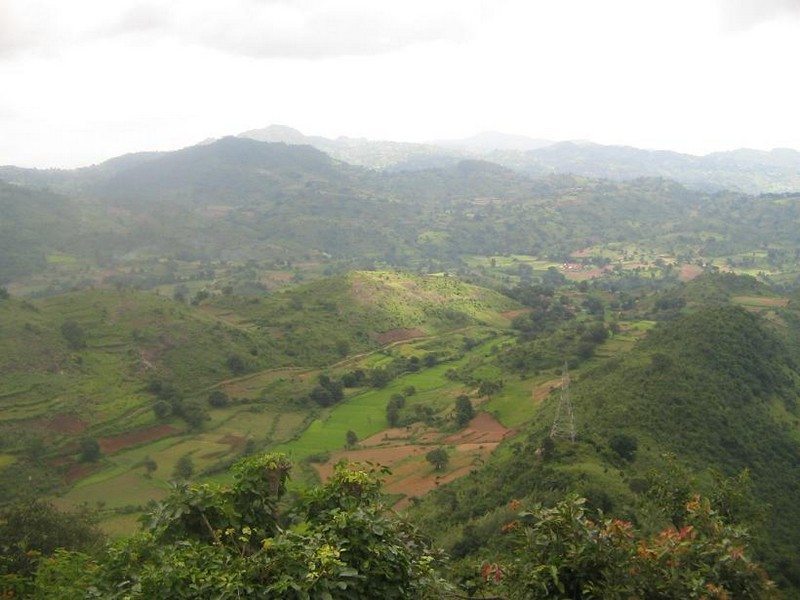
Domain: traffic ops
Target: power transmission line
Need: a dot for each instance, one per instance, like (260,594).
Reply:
(564,421)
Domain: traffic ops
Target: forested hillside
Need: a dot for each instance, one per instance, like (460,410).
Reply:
(165,316)
(743,170)
(707,395)
(241,200)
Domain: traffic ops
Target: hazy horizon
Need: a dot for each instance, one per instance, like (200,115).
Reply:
(428,142)
(90,80)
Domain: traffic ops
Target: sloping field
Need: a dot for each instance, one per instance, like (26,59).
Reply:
(403,451)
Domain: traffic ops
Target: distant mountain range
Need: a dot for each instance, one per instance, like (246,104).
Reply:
(240,199)
(744,170)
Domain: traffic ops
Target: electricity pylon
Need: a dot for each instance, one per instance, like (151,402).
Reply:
(564,421)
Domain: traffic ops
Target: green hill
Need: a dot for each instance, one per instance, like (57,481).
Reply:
(109,364)
(716,387)
(239,200)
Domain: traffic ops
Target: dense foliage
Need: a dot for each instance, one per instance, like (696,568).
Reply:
(716,387)
(242,199)
(338,541)
(563,552)
(32,532)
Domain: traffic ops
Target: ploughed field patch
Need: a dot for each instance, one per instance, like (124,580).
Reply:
(110,445)
(65,423)
(403,450)
(399,335)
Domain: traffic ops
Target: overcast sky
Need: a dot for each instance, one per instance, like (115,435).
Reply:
(85,80)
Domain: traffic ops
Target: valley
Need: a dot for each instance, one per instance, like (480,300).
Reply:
(223,302)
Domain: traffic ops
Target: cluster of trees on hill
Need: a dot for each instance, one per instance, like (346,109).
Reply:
(283,200)
(715,384)
(551,332)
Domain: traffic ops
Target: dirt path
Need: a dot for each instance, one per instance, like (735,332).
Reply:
(542,391)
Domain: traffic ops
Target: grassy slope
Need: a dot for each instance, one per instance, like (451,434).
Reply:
(59,393)
(720,393)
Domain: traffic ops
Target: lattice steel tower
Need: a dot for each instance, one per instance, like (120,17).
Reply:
(564,421)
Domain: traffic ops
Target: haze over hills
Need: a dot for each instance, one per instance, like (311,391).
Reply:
(489,141)
(158,273)
(745,170)
(513,315)
(750,171)
(442,305)
(239,199)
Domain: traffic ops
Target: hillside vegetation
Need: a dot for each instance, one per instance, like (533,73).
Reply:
(130,369)
(239,203)
(715,387)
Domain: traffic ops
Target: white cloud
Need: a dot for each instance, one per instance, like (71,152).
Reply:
(745,14)
(256,28)
(90,80)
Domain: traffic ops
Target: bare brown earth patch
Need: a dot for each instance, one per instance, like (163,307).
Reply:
(543,390)
(65,423)
(398,335)
(77,471)
(483,428)
(761,301)
(419,478)
(582,275)
(688,272)
(403,450)
(236,442)
(513,314)
(110,445)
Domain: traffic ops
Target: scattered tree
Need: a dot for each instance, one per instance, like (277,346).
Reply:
(624,445)
(181,293)
(351,438)
(236,364)
(430,360)
(342,347)
(162,409)
(487,388)
(392,415)
(379,378)
(218,399)
(184,468)
(193,412)
(438,458)
(396,402)
(354,378)
(200,296)
(464,410)
(150,466)
(89,450)
(74,335)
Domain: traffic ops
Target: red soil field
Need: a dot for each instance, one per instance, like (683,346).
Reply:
(403,450)
(110,445)
(398,335)
(65,423)
(543,390)
(511,314)
(689,272)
